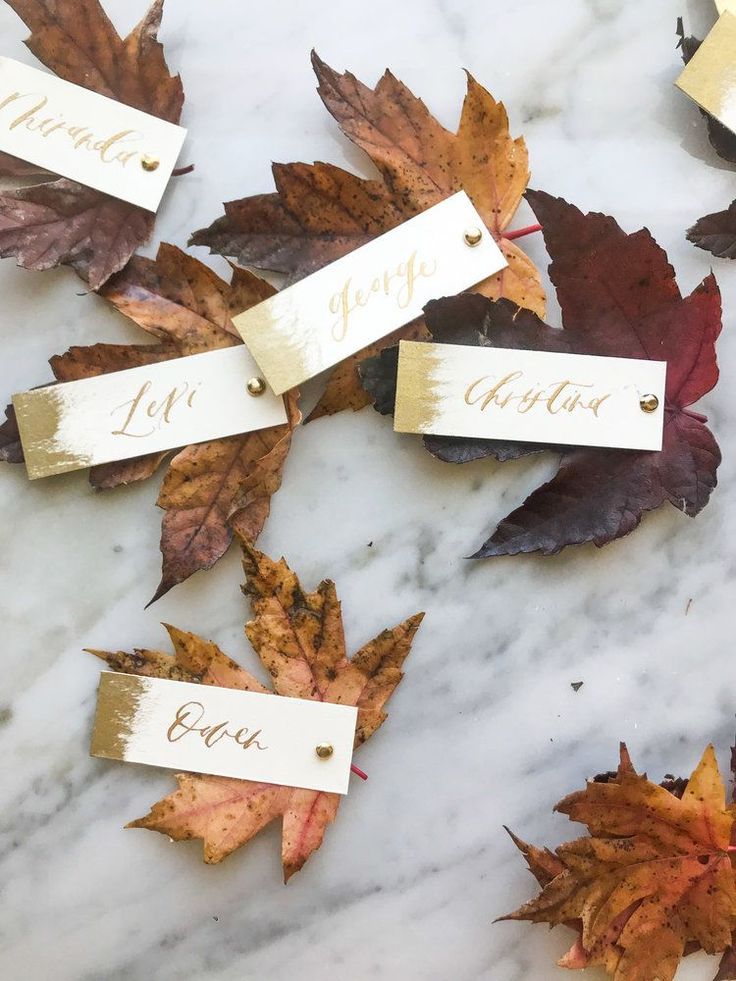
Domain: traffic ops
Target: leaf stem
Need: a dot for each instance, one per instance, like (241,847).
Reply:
(521,232)
(358,772)
(180,171)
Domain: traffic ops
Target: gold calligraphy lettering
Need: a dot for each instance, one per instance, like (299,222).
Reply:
(110,149)
(563,396)
(398,282)
(188,718)
(160,411)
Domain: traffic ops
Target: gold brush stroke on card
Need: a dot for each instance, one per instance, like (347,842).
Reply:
(710,76)
(118,699)
(39,414)
(279,343)
(418,389)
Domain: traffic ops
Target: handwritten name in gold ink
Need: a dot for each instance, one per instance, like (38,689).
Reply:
(398,282)
(146,415)
(188,718)
(510,392)
(31,116)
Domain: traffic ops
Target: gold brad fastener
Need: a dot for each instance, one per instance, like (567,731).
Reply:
(472,236)
(256,386)
(324,750)
(149,162)
(649,403)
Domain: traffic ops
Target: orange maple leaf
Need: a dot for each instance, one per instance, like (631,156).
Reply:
(299,638)
(653,880)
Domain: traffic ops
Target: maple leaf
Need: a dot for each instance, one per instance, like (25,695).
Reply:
(714,233)
(210,489)
(61,222)
(619,298)
(652,881)
(320,212)
(300,640)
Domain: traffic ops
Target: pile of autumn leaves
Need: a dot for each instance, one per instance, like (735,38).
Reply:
(653,879)
(617,293)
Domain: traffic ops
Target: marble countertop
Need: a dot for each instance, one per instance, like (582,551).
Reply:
(485,730)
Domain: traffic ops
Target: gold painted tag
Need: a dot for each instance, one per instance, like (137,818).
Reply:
(709,78)
(99,142)
(531,396)
(223,731)
(369,293)
(142,410)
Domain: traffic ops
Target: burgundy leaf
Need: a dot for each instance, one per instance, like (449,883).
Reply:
(619,298)
(716,233)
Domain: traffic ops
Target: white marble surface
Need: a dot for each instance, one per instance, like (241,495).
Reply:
(485,729)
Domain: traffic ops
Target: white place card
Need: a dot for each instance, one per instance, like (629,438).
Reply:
(143,410)
(531,396)
(89,138)
(369,293)
(294,742)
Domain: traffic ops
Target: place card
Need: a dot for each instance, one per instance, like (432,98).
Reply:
(89,138)
(726,5)
(709,78)
(143,410)
(295,742)
(369,293)
(531,396)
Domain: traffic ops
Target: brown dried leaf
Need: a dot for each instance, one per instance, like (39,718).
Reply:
(320,212)
(62,222)
(211,488)
(107,476)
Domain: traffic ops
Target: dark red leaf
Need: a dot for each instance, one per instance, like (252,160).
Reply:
(619,298)
(716,233)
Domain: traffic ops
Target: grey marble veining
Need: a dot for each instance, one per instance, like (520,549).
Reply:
(485,729)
